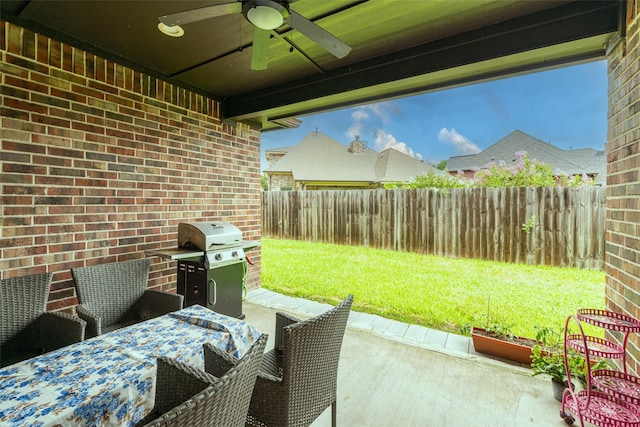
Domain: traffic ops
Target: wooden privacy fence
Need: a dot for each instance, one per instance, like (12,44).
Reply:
(566,223)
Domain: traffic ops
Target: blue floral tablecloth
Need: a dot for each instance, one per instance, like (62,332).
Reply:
(110,380)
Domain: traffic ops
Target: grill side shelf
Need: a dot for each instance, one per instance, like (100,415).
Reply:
(247,245)
(175,253)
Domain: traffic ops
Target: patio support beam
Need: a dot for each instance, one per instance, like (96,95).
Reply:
(567,23)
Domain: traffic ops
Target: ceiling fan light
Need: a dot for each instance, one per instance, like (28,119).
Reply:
(265,17)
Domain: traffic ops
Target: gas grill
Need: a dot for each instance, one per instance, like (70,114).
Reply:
(212,265)
(220,241)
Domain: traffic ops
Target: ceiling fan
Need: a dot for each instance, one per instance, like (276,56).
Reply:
(265,15)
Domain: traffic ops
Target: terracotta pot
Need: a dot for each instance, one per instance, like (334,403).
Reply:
(517,351)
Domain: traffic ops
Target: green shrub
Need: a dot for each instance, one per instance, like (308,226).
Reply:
(525,173)
(433,180)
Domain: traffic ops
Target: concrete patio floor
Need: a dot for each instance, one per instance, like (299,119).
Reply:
(395,374)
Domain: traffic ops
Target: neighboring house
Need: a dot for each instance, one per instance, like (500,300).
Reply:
(563,162)
(319,162)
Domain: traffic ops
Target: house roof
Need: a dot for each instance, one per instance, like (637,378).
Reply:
(584,160)
(394,166)
(321,158)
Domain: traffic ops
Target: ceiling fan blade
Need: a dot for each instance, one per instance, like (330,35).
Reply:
(200,14)
(319,35)
(260,49)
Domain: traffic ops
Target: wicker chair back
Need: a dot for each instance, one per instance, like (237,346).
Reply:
(218,402)
(23,300)
(112,291)
(299,381)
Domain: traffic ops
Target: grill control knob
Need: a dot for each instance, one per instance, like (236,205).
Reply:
(218,257)
(234,254)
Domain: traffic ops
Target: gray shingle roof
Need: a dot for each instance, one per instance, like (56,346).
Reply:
(394,166)
(585,160)
(320,158)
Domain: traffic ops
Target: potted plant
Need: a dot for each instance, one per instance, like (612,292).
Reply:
(497,339)
(548,358)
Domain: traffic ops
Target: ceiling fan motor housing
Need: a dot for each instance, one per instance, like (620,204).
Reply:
(265,14)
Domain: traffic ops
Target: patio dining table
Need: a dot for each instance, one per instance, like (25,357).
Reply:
(109,380)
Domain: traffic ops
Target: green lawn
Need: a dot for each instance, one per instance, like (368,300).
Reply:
(441,293)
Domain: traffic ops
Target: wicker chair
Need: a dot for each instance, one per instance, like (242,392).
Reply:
(115,295)
(186,396)
(298,378)
(26,329)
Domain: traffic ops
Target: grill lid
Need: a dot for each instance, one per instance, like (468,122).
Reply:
(208,236)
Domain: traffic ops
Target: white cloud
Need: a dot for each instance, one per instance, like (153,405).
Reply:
(367,116)
(460,143)
(360,114)
(375,116)
(355,130)
(385,140)
(357,125)
(384,110)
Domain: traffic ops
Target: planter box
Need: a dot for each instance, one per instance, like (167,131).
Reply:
(517,351)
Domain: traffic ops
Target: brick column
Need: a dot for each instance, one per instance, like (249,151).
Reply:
(622,263)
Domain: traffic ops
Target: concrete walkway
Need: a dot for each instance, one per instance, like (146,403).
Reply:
(396,374)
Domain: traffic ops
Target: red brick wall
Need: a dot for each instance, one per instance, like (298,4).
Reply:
(100,163)
(622,263)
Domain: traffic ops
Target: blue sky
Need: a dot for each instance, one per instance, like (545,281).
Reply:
(566,107)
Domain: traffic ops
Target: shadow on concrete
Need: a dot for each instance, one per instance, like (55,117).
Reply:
(394,374)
